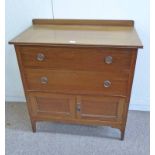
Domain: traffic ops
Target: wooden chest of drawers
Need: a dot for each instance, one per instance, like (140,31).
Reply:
(78,71)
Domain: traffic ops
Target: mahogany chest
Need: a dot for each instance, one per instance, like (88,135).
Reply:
(78,71)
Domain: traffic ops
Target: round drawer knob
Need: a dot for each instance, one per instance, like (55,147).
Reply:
(40,56)
(107,83)
(108,59)
(44,80)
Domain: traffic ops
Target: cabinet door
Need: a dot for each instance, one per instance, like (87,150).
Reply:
(100,108)
(52,105)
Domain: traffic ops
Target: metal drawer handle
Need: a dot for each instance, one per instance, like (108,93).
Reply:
(44,80)
(107,83)
(40,56)
(108,59)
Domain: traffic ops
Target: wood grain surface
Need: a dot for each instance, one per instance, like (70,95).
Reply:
(64,69)
(105,35)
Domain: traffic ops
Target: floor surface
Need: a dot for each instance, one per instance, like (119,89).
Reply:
(62,139)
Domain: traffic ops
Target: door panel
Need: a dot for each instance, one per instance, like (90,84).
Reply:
(54,105)
(100,108)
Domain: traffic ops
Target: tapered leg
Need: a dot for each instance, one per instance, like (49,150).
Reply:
(33,123)
(122,133)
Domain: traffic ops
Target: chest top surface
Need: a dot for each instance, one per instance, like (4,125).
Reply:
(106,33)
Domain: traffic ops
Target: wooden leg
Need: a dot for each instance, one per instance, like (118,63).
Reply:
(33,123)
(122,133)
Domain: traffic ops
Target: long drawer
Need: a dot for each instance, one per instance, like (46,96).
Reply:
(94,59)
(76,82)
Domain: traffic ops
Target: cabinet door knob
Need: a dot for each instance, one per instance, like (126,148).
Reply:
(78,108)
(44,80)
(107,83)
(108,59)
(40,56)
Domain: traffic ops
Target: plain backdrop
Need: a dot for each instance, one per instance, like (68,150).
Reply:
(19,15)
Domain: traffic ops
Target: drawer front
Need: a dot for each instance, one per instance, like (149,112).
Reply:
(55,105)
(100,108)
(97,59)
(76,82)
